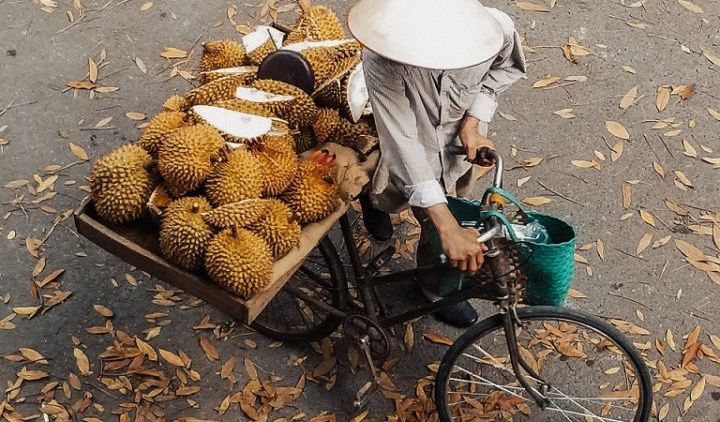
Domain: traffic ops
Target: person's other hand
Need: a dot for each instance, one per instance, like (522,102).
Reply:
(462,249)
(473,141)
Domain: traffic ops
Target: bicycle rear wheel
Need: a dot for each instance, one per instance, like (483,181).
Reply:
(593,371)
(289,318)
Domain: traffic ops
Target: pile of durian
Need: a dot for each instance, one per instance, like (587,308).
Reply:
(220,168)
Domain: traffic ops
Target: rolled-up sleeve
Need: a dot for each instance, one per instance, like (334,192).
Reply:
(508,67)
(397,129)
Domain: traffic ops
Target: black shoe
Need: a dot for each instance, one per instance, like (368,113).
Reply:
(460,315)
(377,222)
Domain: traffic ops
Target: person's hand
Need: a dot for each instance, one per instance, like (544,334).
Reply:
(462,249)
(473,141)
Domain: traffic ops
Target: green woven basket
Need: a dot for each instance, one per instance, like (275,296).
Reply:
(548,267)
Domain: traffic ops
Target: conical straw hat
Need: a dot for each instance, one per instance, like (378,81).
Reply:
(435,34)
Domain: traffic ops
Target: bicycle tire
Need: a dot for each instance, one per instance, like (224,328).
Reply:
(266,322)
(539,313)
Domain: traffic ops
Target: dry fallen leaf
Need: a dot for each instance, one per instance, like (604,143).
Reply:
(171,358)
(548,80)
(134,115)
(531,7)
(566,113)
(629,98)
(647,217)
(103,311)
(438,338)
(690,6)
(644,243)
(409,338)
(714,113)
(536,200)
(659,169)
(662,241)
(663,97)
(683,178)
(616,129)
(626,195)
(78,151)
(210,351)
(173,53)
(82,362)
(690,251)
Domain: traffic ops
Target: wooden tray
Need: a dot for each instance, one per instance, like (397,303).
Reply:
(137,244)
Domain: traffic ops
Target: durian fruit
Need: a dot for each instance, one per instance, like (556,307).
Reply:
(300,112)
(278,162)
(247,72)
(331,127)
(219,54)
(188,155)
(237,214)
(274,102)
(236,127)
(312,194)
(261,42)
(347,92)
(278,227)
(159,200)
(242,106)
(174,103)
(220,89)
(240,262)
(328,59)
(184,235)
(122,184)
(239,178)
(158,129)
(316,23)
(304,140)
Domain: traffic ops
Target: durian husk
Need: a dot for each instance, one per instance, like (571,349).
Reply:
(218,90)
(239,261)
(278,228)
(316,23)
(256,56)
(237,179)
(237,214)
(159,200)
(187,156)
(247,72)
(304,140)
(311,195)
(174,103)
(121,184)
(236,127)
(300,112)
(184,235)
(243,106)
(158,129)
(278,163)
(329,126)
(219,54)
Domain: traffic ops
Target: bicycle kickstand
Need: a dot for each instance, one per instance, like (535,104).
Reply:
(363,395)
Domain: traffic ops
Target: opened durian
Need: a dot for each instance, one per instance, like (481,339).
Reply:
(219,54)
(312,194)
(122,184)
(247,72)
(158,128)
(188,155)
(328,59)
(347,93)
(316,23)
(278,162)
(240,262)
(174,103)
(235,127)
(300,112)
(184,235)
(159,200)
(261,42)
(218,90)
(237,214)
(278,227)
(235,180)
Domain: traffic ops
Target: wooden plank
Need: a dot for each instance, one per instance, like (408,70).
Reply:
(137,244)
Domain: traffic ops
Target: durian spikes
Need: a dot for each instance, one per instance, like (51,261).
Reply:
(235,180)
(219,54)
(301,111)
(159,200)
(188,155)
(237,214)
(174,103)
(122,184)
(329,59)
(329,126)
(184,235)
(312,195)
(240,262)
(218,90)
(278,162)
(316,23)
(278,228)
(261,42)
(235,127)
(158,128)
(248,72)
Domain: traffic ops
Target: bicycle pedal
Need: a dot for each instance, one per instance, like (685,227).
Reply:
(362,397)
(382,258)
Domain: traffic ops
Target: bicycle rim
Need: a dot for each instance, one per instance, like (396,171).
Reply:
(289,318)
(594,373)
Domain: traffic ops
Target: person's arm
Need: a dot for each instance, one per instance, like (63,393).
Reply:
(397,129)
(507,68)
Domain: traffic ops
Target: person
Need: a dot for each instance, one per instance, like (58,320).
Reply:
(433,70)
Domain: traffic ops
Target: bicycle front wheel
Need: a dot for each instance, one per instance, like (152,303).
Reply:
(589,372)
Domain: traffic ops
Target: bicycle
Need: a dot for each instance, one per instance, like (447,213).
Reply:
(534,363)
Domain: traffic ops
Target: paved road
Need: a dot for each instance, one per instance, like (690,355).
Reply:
(660,43)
